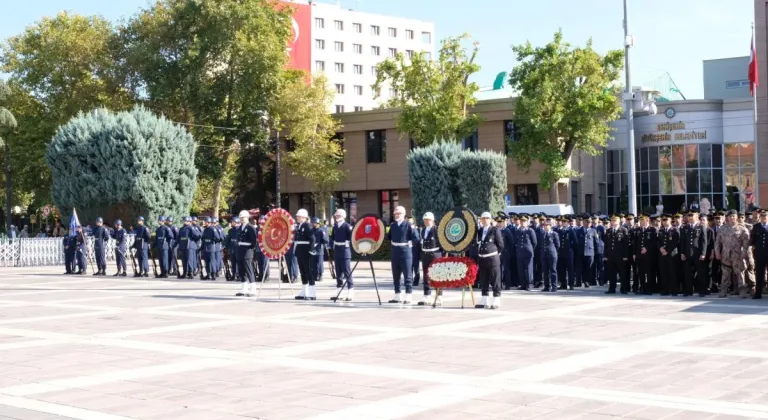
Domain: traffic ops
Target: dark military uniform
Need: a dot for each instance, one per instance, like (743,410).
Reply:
(694,248)
(490,245)
(586,248)
(304,245)
(120,238)
(525,246)
(668,240)
(759,241)
(101,238)
(141,243)
(645,252)
(565,257)
(550,244)
(430,250)
(616,258)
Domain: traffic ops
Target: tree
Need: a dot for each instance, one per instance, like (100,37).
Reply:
(122,165)
(566,103)
(434,96)
(7,123)
(303,110)
(482,179)
(215,64)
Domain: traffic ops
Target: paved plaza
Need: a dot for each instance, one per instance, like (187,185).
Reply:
(106,348)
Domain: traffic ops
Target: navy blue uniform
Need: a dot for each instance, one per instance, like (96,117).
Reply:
(304,245)
(490,246)
(141,244)
(599,252)
(218,250)
(162,246)
(565,269)
(341,236)
(525,246)
(758,238)
(173,263)
(260,260)
(401,237)
(80,250)
(646,239)
(120,238)
(186,243)
(430,249)
(230,243)
(586,247)
(101,238)
(416,250)
(550,244)
(538,277)
(321,241)
(616,258)
(291,262)
(69,254)
(508,257)
(211,238)
(246,243)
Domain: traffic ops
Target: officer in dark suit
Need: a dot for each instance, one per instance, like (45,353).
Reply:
(510,279)
(565,254)
(759,241)
(644,253)
(550,244)
(173,258)
(538,276)
(430,249)
(69,254)
(694,256)
(246,242)
(303,247)
(341,236)
(586,248)
(490,244)
(162,245)
(616,256)
(101,238)
(401,236)
(141,244)
(502,221)
(321,242)
(120,237)
(525,246)
(230,244)
(668,239)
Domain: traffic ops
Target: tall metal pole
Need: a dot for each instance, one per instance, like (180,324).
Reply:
(629,104)
(756,197)
(278,201)
(8,188)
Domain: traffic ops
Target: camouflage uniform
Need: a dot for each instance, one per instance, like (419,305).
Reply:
(749,274)
(732,245)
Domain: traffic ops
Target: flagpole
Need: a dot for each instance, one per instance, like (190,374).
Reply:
(754,122)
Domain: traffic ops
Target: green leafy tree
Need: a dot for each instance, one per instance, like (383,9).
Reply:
(7,123)
(434,96)
(122,165)
(214,64)
(482,178)
(303,110)
(566,103)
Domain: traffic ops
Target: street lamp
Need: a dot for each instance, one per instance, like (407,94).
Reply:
(629,99)
(266,123)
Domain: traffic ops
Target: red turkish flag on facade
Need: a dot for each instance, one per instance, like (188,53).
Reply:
(752,74)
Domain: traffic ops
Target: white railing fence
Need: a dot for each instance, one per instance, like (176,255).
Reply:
(30,252)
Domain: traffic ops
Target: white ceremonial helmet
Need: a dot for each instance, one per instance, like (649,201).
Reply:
(341,212)
(244,215)
(429,216)
(302,213)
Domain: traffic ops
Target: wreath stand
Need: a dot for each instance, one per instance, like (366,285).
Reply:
(463,296)
(373,272)
(280,266)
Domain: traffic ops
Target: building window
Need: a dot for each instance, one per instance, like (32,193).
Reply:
(616,176)
(427,55)
(320,65)
(338,46)
(358,108)
(409,34)
(375,30)
(409,54)
(320,44)
(339,138)
(376,146)
(357,68)
(375,50)
(739,176)
(357,27)
(392,32)
(339,67)
(470,143)
(347,200)
(602,197)
(392,52)
(357,48)
(388,201)
(339,88)
(358,90)
(588,203)
(575,196)
(511,134)
(526,195)
(737,84)
(339,109)
(307,202)
(339,25)
(426,37)
(319,23)
(392,92)
(374,73)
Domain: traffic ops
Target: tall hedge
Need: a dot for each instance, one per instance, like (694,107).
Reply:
(122,165)
(443,176)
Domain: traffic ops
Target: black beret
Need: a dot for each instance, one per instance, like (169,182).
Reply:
(731,213)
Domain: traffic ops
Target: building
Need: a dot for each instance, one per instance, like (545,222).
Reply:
(726,78)
(346,45)
(761,45)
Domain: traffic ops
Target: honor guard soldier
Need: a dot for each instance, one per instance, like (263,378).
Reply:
(416,251)
(668,239)
(321,242)
(187,246)
(120,238)
(198,246)
(490,246)
(401,236)
(141,244)
(260,259)
(69,254)
(550,244)
(210,237)
(694,257)
(731,249)
(644,254)
(525,246)
(218,261)
(341,235)
(101,238)
(539,231)
(162,245)
(430,249)
(510,274)
(80,250)
(509,248)
(586,248)
(629,224)
(565,255)
(173,259)
(246,242)
(759,242)
(291,262)
(230,242)
(304,247)
(616,256)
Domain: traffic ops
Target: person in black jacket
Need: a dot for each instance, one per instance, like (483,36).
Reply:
(616,256)
(668,240)
(430,249)
(644,253)
(550,243)
(758,239)
(490,245)
(101,238)
(694,247)
(246,242)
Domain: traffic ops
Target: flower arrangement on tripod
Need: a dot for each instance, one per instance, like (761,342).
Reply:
(452,272)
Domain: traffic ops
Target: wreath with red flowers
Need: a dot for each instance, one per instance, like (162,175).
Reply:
(276,233)
(452,272)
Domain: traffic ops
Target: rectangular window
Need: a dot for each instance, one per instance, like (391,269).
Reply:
(375,50)
(392,32)
(588,203)
(388,201)
(339,88)
(357,48)
(339,25)
(339,109)
(375,30)
(602,197)
(320,65)
(526,195)
(737,84)
(409,34)
(392,93)
(575,196)
(358,90)
(307,202)
(357,69)
(358,108)
(511,134)
(426,37)
(470,143)
(376,146)
(339,67)
(357,27)
(374,73)
(409,53)
(319,23)
(347,200)
(320,44)
(338,46)
(392,52)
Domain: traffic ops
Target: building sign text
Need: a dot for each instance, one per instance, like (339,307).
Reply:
(673,131)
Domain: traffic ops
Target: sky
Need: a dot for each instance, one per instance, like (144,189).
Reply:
(671,36)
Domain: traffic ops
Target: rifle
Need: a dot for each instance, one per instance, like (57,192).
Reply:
(154,264)
(133,260)
(227,271)
(201,265)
